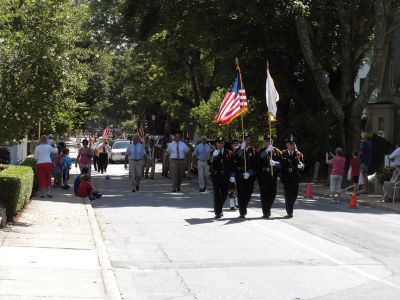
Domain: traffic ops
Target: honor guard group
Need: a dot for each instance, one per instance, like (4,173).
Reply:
(243,165)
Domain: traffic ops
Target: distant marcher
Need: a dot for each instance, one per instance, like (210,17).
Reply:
(102,162)
(134,154)
(201,154)
(84,158)
(66,163)
(366,161)
(176,153)
(188,157)
(355,165)
(336,178)
(233,201)
(42,155)
(150,158)
(96,152)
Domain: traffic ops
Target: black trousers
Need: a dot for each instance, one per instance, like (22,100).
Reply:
(244,190)
(220,186)
(102,162)
(267,184)
(95,162)
(291,190)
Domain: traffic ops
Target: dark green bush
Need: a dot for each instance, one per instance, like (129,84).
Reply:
(16,188)
(30,161)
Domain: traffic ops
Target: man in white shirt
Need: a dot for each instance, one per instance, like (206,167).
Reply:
(135,154)
(176,152)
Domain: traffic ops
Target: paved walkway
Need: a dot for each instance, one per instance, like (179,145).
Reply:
(54,250)
(369,200)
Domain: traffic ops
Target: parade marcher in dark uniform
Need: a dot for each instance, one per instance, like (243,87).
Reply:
(244,173)
(291,163)
(221,171)
(267,174)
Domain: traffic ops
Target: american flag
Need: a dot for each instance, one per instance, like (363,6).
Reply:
(234,103)
(106,132)
(143,128)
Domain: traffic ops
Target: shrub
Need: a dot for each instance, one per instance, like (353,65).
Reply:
(3,167)
(30,161)
(16,188)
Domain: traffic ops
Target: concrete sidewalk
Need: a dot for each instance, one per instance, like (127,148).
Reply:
(55,250)
(369,200)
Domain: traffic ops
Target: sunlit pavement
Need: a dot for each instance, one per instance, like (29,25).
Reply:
(165,245)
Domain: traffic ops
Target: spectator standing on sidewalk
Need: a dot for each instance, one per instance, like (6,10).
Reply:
(366,160)
(42,155)
(337,161)
(135,154)
(395,158)
(201,154)
(85,155)
(355,165)
(57,168)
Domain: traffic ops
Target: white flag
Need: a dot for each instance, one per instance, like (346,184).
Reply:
(271,95)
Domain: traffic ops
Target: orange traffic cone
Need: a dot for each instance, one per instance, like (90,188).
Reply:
(308,191)
(353,201)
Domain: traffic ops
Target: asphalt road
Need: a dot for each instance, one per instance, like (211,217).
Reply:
(169,246)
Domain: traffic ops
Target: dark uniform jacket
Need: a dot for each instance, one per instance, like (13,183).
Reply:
(221,165)
(289,170)
(264,166)
(251,161)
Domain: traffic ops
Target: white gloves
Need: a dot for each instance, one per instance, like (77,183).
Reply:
(272,163)
(243,146)
(246,175)
(300,165)
(232,179)
(270,148)
(216,152)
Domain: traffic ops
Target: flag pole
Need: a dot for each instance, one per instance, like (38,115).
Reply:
(241,113)
(270,124)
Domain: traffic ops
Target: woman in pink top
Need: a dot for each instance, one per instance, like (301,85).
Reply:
(338,161)
(84,158)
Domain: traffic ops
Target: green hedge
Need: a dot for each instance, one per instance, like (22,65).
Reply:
(30,161)
(16,188)
(3,167)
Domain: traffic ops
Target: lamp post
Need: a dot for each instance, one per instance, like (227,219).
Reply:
(153,118)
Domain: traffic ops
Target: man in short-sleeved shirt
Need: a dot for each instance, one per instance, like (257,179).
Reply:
(176,153)
(134,154)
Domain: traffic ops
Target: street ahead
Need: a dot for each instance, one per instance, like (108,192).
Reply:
(169,246)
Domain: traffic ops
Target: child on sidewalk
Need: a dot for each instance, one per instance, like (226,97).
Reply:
(78,179)
(85,189)
(66,163)
(57,172)
(355,165)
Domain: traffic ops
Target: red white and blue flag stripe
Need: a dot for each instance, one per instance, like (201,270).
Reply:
(235,102)
(142,129)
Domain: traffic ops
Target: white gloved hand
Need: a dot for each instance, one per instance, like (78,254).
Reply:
(270,148)
(272,163)
(216,152)
(243,146)
(246,175)
(300,165)
(232,179)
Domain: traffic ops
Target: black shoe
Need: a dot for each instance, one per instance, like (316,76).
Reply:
(242,216)
(204,189)
(289,216)
(201,190)
(137,187)
(146,176)
(174,191)
(232,208)
(267,215)
(179,189)
(133,190)
(218,216)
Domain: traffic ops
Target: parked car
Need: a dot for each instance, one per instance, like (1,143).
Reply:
(118,149)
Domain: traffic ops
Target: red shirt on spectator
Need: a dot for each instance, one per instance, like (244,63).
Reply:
(84,189)
(355,164)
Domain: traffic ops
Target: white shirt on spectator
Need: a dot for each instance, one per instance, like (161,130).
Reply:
(172,150)
(43,152)
(396,157)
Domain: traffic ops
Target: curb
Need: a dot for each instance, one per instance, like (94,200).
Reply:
(360,202)
(110,282)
